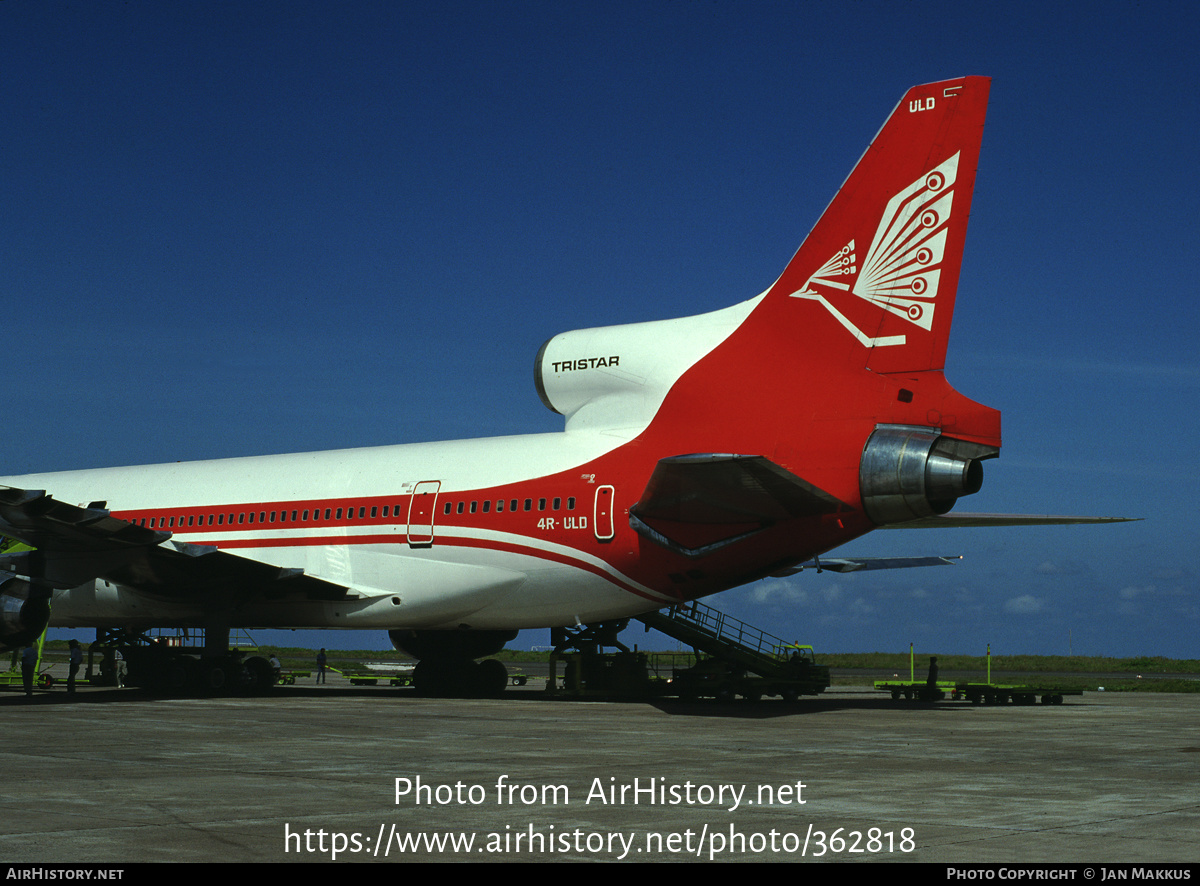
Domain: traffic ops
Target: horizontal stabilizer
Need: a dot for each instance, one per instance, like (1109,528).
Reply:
(866,564)
(956,521)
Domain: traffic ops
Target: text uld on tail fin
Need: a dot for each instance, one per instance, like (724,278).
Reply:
(880,268)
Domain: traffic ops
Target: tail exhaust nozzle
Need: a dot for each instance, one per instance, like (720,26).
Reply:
(948,477)
(909,473)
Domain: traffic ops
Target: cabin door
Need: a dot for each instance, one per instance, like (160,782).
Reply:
(602,514)
(421,509)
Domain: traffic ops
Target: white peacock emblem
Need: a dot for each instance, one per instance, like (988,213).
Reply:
(902,268)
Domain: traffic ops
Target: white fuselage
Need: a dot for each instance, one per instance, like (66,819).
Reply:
(497,569)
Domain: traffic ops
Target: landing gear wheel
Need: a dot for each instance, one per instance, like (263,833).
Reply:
(262,675)
(177,675)
(212,676)
(491,677)
(460,678)
(425,678)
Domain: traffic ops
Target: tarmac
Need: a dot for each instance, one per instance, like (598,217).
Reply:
(356,774)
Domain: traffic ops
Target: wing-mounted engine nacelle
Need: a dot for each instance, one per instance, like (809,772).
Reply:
(907,473)
(24,611)
(450,645)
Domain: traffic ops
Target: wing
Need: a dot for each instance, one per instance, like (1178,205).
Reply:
(696,504)
(74,545)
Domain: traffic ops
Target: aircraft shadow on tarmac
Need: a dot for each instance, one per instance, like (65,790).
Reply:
(738,709)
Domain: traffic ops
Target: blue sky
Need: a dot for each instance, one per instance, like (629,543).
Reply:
(244,228)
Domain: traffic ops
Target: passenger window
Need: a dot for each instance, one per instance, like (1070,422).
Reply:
(487,506)
(512,505)
(529,504)
(474,506)
(557,503)
(571,503)
(460,507)
(374,511)
(499,505)
(541,504)
(446,509)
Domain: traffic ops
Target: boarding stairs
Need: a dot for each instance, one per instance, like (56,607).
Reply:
(722,636)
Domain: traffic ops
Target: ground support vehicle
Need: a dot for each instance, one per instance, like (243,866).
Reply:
(915,689)
(985,692)
(993,693)
(13,676)
(976,693)
(595,674)
(794,673)
(370,673)
(734,658)
(179,661)
(730,658)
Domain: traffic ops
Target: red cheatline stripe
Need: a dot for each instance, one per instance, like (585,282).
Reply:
(442,540)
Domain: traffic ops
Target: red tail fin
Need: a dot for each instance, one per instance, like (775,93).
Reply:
(880,268)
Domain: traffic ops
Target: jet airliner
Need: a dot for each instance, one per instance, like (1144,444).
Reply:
(698,454)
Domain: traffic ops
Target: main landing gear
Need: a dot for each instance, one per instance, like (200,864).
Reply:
(447,667)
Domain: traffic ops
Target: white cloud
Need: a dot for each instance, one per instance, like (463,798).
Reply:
(1023,605)
(778,591)
(1132,593)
